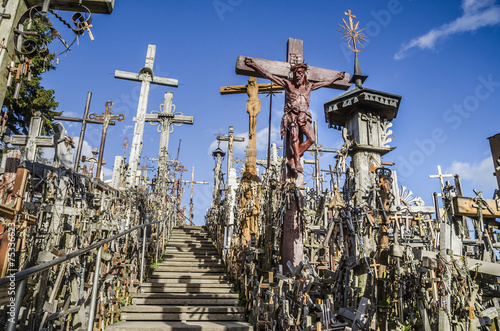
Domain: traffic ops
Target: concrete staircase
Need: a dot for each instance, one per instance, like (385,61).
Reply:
(188,291)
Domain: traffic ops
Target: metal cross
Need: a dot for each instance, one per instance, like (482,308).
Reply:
(106,117)
(84,120)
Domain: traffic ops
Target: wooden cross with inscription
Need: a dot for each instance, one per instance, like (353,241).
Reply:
(84,120)
(32,140)
(146,77)
(230,139)
(106,117)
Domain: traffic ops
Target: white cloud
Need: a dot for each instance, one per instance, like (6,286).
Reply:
(479,174)
(126,129)
(477,14)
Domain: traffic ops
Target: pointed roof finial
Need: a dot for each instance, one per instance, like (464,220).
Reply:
(355,38)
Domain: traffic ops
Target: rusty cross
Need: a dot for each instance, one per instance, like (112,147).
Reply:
(106,117)
(84,120)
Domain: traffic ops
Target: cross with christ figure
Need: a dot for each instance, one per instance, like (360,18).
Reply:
(146,77)
(253,109)
(298,80)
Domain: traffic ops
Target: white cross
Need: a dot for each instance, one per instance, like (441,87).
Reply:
(146,77)
(440,175)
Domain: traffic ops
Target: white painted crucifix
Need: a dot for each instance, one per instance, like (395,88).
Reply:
(146,77)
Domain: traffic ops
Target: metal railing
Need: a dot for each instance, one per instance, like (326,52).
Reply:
(21,277)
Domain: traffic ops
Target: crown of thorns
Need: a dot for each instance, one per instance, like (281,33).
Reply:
(300,65)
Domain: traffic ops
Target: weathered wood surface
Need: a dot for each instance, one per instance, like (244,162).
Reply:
(282,69)
(238,89)
(465,207)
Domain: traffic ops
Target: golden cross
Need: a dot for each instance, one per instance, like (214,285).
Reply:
(351,16)
(352,33)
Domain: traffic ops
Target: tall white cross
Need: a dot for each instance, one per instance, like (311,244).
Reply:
(146,77)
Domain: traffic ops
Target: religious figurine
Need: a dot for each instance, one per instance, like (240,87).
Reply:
(253,105)
(296,118)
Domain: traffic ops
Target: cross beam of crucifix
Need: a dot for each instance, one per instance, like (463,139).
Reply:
(282,69)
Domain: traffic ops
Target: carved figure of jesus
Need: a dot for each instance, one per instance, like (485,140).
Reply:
(296,118)
(253,105)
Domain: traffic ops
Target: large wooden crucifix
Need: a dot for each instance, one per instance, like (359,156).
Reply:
(106,117)
(230,138)
(84,120)
(146,77)
(298,80)
(164,119)
(33,140)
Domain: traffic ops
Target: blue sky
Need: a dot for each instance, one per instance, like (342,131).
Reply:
(440,56)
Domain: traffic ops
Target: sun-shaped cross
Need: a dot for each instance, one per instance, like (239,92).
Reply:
(352,33)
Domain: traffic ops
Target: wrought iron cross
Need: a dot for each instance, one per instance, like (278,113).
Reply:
(107,116)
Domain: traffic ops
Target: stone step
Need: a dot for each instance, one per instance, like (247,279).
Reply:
(190,243)
(187,295)
(191,258)
(190,227)
(190,268)
(184,309)
(188,275)
(191,246)
(183,313)
(195,250)
(184,326)
(184,301)
(217,280)
(177,239)
(185,288)
(191,262)
(199,252)
(181,317)
(201,299)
